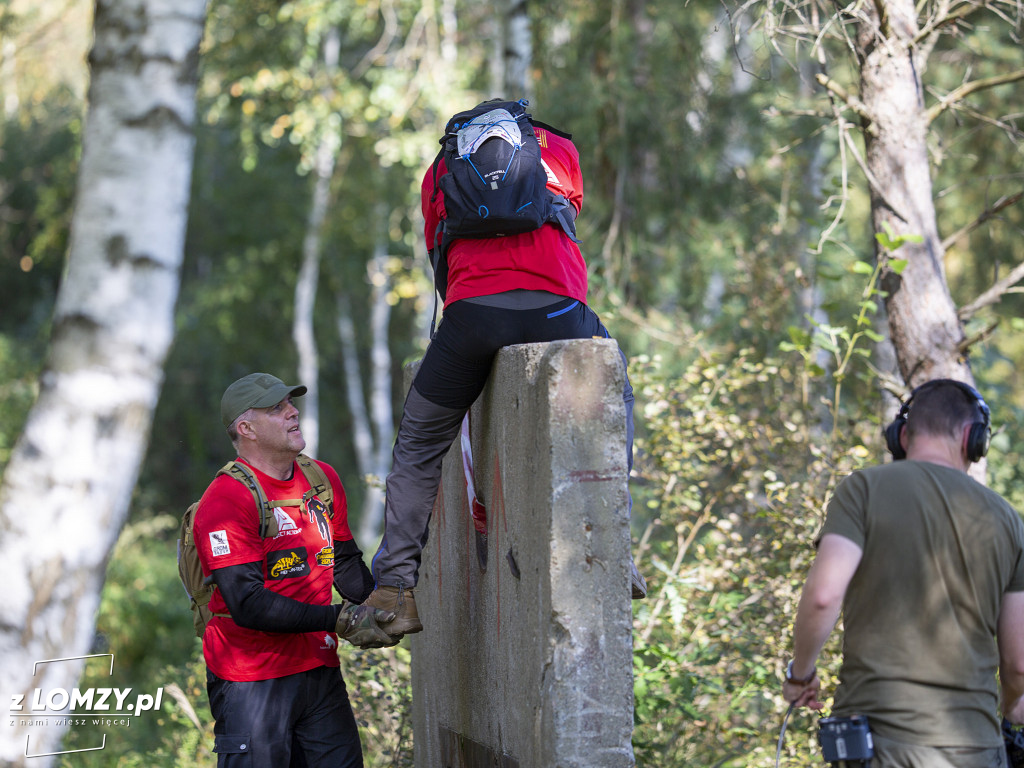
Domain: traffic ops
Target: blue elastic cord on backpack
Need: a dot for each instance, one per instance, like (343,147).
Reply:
(482,179)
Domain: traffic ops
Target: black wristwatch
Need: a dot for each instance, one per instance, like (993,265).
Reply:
(794,681)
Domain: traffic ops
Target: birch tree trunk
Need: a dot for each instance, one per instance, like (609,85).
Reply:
(373,427)
(309,273)
(516,43)
(66,491)
(372,521)
(925,330)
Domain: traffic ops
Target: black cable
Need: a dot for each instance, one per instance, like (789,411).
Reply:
(782,734)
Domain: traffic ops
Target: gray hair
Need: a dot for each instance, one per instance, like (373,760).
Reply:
(233,428)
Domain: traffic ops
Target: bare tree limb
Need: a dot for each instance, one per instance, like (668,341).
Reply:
(847,98)
(1000,204)
(965,346)
(882,12)
(826,234)
(994,294)
(958,94)
(387,37)
(948,19)
(32,37)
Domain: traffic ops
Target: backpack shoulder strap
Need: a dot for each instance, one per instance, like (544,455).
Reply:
(187,522)
(319,484)
(564,215)
(241,473)
(437,162)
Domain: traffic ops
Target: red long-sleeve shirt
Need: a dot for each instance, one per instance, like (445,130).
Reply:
(542,260)
(298,563)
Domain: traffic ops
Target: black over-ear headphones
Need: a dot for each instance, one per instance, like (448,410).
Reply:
(977,439)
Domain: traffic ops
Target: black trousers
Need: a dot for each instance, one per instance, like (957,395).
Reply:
(303,720)
(452,375)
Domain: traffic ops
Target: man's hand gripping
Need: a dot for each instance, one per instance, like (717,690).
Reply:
(360,625)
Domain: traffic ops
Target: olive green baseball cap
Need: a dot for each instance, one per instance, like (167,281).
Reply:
(257,390)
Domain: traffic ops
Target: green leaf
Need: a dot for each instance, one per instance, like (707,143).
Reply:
(799,336)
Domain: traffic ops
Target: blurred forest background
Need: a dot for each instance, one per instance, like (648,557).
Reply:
(728,228)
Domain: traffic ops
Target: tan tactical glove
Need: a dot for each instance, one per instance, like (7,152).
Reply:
(359,624)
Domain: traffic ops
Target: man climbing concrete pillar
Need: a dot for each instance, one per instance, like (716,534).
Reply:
(526,287)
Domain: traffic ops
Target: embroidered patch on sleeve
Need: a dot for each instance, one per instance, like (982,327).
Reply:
(219,543)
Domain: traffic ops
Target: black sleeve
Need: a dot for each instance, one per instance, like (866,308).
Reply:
(253,606)
(352,578)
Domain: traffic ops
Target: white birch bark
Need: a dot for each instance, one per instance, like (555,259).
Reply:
(449,32)
(66,491)
(355,394)
(373,426)
(309,273)
(372,520)
(517,51)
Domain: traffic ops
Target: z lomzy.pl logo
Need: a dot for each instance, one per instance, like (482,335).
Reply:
(60,707)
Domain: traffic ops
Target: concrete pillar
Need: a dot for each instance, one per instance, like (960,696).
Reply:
(525,660)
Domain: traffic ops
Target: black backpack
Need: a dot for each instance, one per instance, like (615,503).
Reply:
(496,184)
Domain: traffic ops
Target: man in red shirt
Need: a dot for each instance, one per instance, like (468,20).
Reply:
(518,289)
(273,676)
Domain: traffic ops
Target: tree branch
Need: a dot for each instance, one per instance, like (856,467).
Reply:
(944,21)
(958,94)
(964,347)
(848,99)
(1001,204)
(882,12)
(993,295)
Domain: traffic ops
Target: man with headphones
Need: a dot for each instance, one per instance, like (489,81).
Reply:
(927,567)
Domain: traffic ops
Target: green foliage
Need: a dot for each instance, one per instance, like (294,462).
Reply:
(379,686)
(736,490)
(38,162)
(844,345)
(714,199)
(267,98)
(19,369)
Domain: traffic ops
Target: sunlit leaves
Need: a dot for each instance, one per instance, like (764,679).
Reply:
(736,479)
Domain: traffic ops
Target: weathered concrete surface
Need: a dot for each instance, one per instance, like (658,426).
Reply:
(528,662)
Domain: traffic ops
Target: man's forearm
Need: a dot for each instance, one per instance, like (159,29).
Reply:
(1010,638)
(253,606)
(1012,685)
(822,600)
(352,578)
(1013,701)
(814,623)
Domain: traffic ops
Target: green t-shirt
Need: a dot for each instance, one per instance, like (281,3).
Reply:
(920,614)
